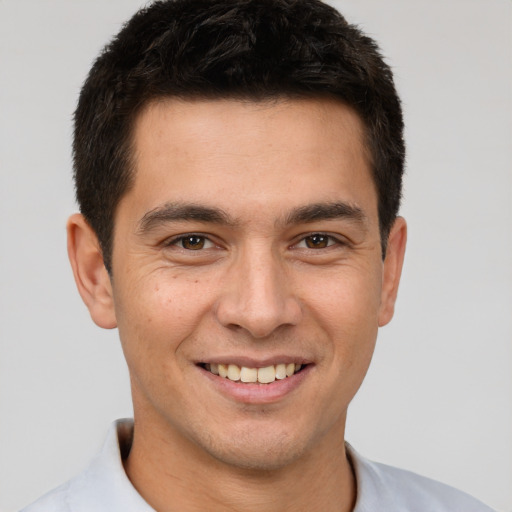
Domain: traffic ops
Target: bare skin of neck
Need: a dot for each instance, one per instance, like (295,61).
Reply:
(172,474)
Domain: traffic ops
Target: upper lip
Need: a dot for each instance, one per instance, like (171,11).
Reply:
(252,362)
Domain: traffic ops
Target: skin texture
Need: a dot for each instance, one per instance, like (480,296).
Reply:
(249,288)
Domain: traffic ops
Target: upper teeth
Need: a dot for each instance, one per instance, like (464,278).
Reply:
(262,375)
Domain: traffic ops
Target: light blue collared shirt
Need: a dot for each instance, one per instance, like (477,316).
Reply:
(104,487)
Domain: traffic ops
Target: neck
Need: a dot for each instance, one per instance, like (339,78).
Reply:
(171,473)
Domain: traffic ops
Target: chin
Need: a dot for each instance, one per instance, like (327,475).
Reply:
(270,458)
(266,450)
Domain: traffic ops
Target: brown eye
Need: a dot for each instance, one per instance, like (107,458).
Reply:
(193,242)
(317,241)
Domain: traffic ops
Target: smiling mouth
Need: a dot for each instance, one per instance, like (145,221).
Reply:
(265,375)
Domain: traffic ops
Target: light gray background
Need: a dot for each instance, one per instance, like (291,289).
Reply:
(438,398)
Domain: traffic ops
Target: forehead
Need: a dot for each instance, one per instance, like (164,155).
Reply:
(308,121)
(261,154)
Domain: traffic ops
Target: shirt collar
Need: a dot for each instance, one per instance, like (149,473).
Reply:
(114,492)
(111,488)
(372,493)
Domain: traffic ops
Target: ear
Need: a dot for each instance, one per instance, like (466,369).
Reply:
(392,270)
(91,276)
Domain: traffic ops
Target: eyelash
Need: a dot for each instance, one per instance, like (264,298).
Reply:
(183,238)
(330,240)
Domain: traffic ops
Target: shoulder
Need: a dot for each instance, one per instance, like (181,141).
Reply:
(382,487)
(72,496)
(103,486)
(54,501)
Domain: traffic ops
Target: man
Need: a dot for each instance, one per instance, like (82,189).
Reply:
(238,168)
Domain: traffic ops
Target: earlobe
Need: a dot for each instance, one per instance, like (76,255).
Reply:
(392,269)
(91,276)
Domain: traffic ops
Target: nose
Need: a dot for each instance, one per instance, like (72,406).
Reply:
(258,295)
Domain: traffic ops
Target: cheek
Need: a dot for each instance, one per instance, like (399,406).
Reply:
(348,299)
(158,313)
(346,307)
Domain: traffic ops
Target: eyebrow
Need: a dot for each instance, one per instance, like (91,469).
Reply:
(174,212)
(326,211)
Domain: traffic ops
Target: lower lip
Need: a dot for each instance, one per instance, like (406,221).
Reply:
(255,393)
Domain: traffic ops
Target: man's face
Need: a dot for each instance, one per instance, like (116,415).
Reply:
(250,238)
